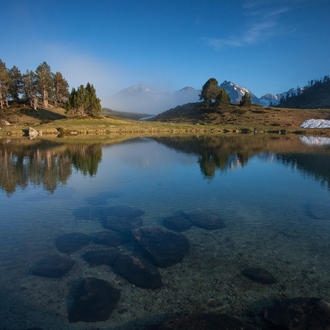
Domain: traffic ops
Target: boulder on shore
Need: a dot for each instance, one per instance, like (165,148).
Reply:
(93,301)
(163,246)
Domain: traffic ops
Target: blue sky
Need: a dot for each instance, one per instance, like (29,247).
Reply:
(265,45)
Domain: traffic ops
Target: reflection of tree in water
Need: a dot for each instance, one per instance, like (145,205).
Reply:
(228,152)
(214,152)
(45,163)
(315,165)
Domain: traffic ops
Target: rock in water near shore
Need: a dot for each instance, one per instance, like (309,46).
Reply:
(259,275)
(207,321)
(299,313)
(164,247)
(123,225)
(101,257)
(178,222)
(33,133)
(72,242)
(93,300)
(124,211)
(108,237)
(138,271)
(52,266)
(206,220)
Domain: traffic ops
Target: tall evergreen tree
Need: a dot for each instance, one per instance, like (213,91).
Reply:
(4,85)
(210,91)
(222,98)
(61,92)
(45,82)
(246,100)
(16,83)
(30,89)
(84,101)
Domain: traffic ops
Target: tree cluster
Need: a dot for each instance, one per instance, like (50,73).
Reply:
(83,101)
(33,87)
(214,96)
(315,95)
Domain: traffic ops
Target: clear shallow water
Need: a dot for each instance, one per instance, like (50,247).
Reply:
(272,194)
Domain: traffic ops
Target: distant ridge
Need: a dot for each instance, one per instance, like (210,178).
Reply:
(124,115)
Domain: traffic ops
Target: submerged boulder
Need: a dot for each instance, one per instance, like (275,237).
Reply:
(72,242)
(101,257)
(163,246)
(260,275)
(299,313)
(178,222)
(93,300)
(205,220)
(52,266)
(123,225)
(207,321)
(123,211)
(138,271)
(108,237)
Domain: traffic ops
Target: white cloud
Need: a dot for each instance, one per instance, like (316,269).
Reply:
(262,23)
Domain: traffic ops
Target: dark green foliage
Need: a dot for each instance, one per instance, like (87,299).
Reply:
(45,82)
(4,85)
(16,83)
(30,89)
(246,100)
(210,91)
(61,89)
(315,95)
(222,98)
(84,101)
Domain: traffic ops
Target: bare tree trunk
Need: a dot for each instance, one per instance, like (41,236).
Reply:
(35,103)
(45,98)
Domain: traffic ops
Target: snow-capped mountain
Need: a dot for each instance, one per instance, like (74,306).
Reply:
(236,92)
(275,99)
(146,99)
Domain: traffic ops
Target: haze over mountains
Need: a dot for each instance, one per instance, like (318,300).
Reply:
(146,99)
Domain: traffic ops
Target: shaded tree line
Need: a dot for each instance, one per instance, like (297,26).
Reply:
(316,94)
(214,96)
(44,88)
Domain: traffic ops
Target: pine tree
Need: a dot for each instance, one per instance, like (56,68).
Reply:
(4,85)
(30,89)
(16,83)
(210,91)
(45,82)
(61,86)
(246,100)
(222,98)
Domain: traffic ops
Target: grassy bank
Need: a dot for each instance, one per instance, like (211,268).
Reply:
(256,119)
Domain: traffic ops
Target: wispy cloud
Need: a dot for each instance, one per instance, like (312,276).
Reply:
(262,22)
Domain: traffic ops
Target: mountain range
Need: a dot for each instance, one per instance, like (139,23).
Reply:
(146,99)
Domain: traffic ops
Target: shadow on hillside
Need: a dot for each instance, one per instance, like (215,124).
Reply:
(42,114)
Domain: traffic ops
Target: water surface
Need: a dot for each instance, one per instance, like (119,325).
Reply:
(271,192)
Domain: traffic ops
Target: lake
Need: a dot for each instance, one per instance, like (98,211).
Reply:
(232,204)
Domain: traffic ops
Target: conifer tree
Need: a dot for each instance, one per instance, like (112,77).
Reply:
(30,89)
(210,90)
(61,86)
(45,82)
(246,100)
(222,98)
(16,83)
(4,85)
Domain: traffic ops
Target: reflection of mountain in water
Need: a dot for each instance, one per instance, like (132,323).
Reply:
(46,163)
(229,152)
